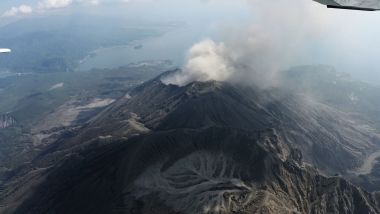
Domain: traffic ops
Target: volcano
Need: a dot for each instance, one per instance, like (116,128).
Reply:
(207,147)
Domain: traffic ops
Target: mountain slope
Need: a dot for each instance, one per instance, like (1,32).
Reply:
(221,170)
(329,139)
(232,148)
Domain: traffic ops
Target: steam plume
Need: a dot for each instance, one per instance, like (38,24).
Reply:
(279,33)
(207,61)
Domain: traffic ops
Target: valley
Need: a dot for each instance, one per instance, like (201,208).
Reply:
(37,109)
(369,164)
(234,148)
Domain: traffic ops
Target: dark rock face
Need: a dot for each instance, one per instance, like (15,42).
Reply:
(214,170)
(327,137)
(203,148)
(6,121)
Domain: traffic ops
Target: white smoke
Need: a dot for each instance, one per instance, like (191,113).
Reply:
(207,61)
(278,35)
(242,62)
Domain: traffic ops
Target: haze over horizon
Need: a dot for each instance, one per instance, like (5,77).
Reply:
(297,32)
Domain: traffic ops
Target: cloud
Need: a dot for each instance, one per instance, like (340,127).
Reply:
(45,5)
(94,2)
(20,10)
(54,4)
(89,2)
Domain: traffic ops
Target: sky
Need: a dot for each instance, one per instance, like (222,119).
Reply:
(295,32)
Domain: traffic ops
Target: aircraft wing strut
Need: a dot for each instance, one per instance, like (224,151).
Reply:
(365,5)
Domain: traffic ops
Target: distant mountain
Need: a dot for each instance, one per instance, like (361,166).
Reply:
(209,147)
(335,89)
